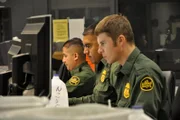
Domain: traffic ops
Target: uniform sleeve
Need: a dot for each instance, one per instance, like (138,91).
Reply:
(80,85)
(148,92)
(101,94)
(80,100)
(104,92)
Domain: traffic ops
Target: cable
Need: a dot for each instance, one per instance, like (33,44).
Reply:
(42,92)
(49,95)
(25,79)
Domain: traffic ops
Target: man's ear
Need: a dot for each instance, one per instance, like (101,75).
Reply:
(76,55)
(120,39)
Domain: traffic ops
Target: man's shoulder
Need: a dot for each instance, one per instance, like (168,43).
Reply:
(144,63)
(83,77)
(85,72)
(86,67)
(144,67)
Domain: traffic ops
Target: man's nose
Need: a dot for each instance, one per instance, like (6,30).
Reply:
(86,51)
(63,60)
(99,50)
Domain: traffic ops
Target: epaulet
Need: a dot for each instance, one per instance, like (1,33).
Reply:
(139,69)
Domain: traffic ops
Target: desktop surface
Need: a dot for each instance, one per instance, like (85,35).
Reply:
(3,68)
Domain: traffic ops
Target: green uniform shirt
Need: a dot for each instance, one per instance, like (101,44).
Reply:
(102,90)
(140,82)
(82,81)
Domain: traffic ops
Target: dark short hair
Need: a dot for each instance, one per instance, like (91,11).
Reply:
(77,42)
(90,29)
(73,41)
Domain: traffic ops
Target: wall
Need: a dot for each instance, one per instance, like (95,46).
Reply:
(21,9)
(69,4)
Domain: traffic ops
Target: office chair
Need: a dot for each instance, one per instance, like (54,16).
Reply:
(170,81)
(176,106)
(166,110)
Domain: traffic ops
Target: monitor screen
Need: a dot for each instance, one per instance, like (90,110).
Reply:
(35,59)
(13,50)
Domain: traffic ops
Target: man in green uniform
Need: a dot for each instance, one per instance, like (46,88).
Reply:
(103,91)
(138,80)
(83,78)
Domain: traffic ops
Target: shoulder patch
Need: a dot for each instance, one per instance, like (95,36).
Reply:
(74,80)
(103,75)
(147,84)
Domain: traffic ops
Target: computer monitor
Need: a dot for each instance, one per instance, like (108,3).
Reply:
(4,47)
(14,49)
(35,59)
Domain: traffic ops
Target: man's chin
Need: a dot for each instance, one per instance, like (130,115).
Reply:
(92,60)
(109,61)
(67,68)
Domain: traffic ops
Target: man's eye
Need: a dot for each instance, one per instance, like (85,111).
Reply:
(102,43)
(87,46)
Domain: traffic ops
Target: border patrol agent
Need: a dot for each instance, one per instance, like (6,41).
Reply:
(137,85)
(83,78)
(138,80)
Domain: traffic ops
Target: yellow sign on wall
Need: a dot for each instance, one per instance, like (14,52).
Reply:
(60,30)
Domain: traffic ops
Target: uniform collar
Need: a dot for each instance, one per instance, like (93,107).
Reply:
(101,65)
(78,68)
(126,68)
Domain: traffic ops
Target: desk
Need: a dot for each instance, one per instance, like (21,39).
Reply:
(3,68)
(79,112)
